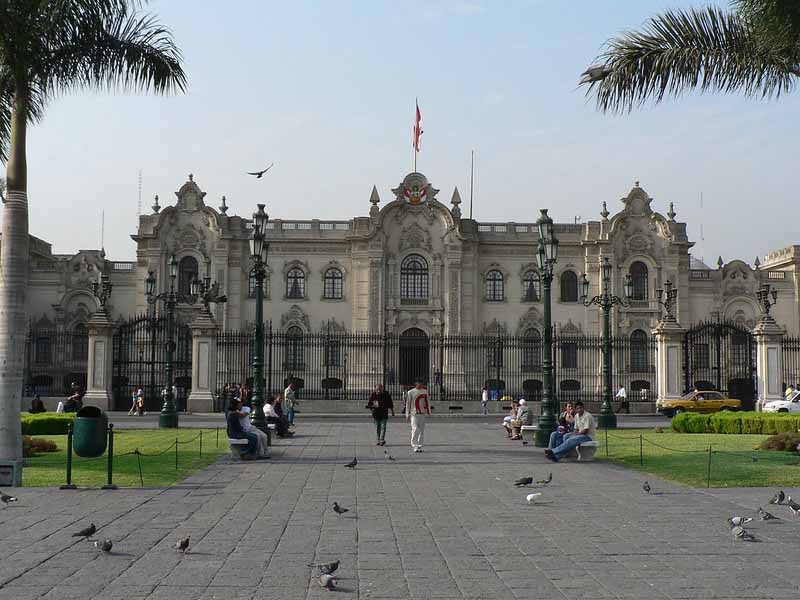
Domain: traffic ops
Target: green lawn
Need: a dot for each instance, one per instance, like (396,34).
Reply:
(684,457)
(49,469)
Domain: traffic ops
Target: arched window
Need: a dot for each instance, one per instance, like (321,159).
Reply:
(80,342)
(296,284)
(294,348)
(640,361)
(414,277)
(333,284)
(531,286)
(569,286)
(531,349)
(187,271)
(638,273)
(495,291)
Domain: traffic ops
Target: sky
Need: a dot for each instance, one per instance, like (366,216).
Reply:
(326,91)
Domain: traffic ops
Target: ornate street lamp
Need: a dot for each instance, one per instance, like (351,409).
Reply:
(101,289)
(198,290)
(546,256)
(605,301)
(666,298)
(259,249)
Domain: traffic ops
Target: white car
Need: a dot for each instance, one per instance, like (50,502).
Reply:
(790,404)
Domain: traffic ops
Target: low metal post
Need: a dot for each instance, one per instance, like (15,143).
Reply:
(176,454)
(69,485)
(606,441)
(708,473)
(641,451)
(110,485)
(217,437)
(139,462)
(201,442)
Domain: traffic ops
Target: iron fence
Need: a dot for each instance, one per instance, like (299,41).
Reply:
(791,361)
(339,365)
(54,359)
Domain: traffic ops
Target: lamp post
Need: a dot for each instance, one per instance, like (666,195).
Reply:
(605,301)
(101,289)
(546,255)
(259,249)
(764,293)
(198,290)
(666,298)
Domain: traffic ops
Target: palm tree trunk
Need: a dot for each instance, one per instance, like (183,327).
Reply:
(14,283)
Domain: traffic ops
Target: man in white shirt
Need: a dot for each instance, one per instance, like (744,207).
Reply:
(622,396)
(585,427)
(417,409)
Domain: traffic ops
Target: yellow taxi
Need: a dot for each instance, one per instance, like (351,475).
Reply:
(701,401)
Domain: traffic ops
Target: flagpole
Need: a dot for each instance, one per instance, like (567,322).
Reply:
(416,125)
(471,180)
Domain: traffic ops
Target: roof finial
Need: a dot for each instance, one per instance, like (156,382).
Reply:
(719,262)
(156,206)
(604,213)
(191,177)
(636,183)
(456,199)
(223,208)
(757,262)
(374,198)
(671,214)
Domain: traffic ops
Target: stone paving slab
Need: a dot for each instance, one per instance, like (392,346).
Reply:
(445,524)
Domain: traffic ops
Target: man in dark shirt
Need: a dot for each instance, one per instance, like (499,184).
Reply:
(380,402)
(236,432)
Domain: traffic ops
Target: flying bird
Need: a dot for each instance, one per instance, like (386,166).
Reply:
(326,568)
(646,487)
(793,506)
(546,481)
(260,174)
(764,515)
(740,521)
(523,481)
(741,534)
(6,499)
(778,498)
(327,581)
(352,464)
(339,510)
(532,498)
(389,456)
(104,546)
(182,545)
(87,532)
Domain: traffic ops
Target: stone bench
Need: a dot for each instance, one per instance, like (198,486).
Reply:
(236,445)
(528,432)
(584,452)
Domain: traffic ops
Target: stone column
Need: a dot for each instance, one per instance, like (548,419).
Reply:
(99,367)
(669,359)
(769,360)
(204,363)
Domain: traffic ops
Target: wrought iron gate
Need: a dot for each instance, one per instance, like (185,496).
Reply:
(721,355)
(139,358)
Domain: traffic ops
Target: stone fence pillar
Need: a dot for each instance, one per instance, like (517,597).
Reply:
(669,359)
(769,360)
(99,367)
(204,363)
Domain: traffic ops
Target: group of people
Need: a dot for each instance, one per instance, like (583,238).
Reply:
(415,408)
(279,412)
(519,415)
(575,426)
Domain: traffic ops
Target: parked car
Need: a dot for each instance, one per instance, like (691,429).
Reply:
(790,404)
(702,401)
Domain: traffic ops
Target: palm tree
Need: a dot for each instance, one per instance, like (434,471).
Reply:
(47,48)
(754,49)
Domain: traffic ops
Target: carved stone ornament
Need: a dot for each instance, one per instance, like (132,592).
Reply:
(494,327)
(570,328)
(638,243)
(190,196)
(531,319)
(414,236)
(295,316)
(637,202)
(415,190)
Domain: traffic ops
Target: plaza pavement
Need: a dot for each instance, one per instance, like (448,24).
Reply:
(444,524)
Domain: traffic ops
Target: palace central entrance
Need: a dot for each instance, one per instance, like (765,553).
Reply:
(414,356)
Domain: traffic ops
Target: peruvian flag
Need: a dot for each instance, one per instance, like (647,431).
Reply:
(417,128)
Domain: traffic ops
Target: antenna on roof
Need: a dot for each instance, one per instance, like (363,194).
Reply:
(102,229)
(139,206)
(471,180)
(702,237)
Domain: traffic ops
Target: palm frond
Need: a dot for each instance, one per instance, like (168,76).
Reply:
(678,51)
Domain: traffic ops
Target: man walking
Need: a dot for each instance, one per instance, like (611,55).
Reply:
(290,400)
(484,400)
(622,396)
(380,402)
(417,409)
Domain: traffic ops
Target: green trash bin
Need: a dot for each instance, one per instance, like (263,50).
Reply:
(89,432)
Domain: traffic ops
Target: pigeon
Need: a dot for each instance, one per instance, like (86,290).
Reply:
(646,487)
(545,481)
(260,174)
(532,498)
(339,510)
(778,498)
(764,515)
(105,545)
(182,545)
(793,506)
(594,74)
(389,456)
(87,532)
(327,581)
(523,481)
(352,464)
(326,568)
(740,533)
(739,521)
(6,499)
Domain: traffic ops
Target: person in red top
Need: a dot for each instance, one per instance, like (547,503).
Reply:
(417,409)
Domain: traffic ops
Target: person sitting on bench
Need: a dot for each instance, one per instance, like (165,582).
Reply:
(262,450)
(236,432)
(585,428)
(524,417)
(281,424)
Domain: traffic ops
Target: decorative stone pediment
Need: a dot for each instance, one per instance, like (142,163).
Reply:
(495,327)
(738,279)
(570,328)
(637,202)
(190,196)
(414,236)
(295,317)
(531,319)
